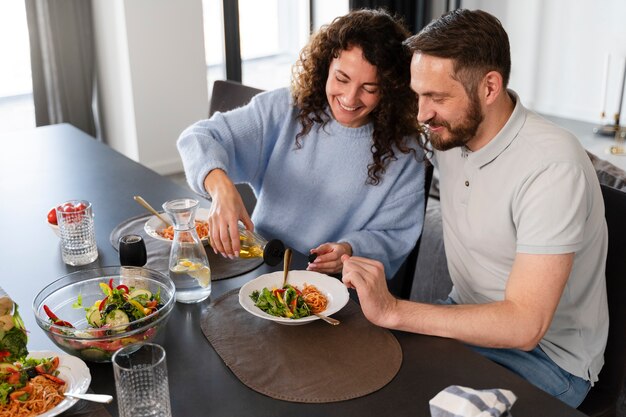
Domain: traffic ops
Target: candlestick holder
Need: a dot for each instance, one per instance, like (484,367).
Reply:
(618,148)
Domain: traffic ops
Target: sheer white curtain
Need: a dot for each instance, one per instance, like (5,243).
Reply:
(63,62)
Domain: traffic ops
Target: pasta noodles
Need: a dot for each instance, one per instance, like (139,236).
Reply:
(45,396)
(202,228)
(316,301)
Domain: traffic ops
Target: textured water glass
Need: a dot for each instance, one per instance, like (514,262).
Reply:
(141,381)
(78,235)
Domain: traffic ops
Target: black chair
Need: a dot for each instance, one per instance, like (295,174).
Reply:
(402,282)
(228,95)
(602,399)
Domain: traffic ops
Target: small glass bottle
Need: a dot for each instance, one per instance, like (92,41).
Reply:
(253,245)
(188,265)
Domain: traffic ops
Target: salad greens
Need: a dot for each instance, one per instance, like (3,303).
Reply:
(13,338)
(121,305)
(15,377)
(285,302)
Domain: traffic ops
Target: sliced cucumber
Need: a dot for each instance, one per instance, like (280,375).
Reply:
(137,292)
(5,368)
(94,354)
(94,317)
(116,318)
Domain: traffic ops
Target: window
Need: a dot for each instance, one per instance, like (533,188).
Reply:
(214,41)
(16,91)
(271,32)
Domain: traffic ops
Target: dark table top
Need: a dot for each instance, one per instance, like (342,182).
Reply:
(45,166)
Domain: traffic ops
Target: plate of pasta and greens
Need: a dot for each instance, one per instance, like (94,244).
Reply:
(305,294)
(34,383)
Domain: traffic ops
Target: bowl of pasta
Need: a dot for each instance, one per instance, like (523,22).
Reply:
(36,385)
(91,313)
(305,294)
(156,229)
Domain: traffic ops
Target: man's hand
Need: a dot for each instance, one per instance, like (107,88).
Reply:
(518,321)
(368,278)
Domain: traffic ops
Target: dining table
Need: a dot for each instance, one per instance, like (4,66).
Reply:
(45,166)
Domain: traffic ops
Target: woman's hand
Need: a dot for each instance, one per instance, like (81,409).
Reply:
(328,258)
(226,210)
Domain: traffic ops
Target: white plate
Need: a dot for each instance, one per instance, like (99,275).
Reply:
(75,374)
(332,288)
(154,225)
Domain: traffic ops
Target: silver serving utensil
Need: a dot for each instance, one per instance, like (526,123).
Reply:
(327,319)
(97,398)
(148,207)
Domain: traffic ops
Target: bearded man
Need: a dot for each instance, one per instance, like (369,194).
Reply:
(522,213)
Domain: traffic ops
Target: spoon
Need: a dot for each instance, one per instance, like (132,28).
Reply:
(148,207)
(286,263)
(98,398)
(327,319)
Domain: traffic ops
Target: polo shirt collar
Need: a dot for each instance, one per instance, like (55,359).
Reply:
(503,139)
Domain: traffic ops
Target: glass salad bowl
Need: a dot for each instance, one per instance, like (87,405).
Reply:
(93,312)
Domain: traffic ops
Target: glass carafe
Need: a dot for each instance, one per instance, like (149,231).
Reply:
(253,245)
(188,265)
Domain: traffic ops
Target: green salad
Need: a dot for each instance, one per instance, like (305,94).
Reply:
(281,302)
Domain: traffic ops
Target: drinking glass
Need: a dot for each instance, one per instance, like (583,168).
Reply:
(78,236)
(132,250)
(141,381)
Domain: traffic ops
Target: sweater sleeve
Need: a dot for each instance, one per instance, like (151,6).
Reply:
(238,142)
(393,230)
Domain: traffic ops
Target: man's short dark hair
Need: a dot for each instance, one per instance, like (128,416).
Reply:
(475,41)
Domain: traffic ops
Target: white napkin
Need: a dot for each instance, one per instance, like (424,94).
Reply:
(457,401)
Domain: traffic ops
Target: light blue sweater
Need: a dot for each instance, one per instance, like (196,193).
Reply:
(314,194)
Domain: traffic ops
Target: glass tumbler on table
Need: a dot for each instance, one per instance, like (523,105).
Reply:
(78,236)
(188,264)
(141,381)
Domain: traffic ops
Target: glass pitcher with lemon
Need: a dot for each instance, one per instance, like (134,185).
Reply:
(188,265)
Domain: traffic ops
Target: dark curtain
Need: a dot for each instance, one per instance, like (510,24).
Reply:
(63,62)
(416,13)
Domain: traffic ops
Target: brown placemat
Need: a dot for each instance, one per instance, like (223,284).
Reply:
(159,252)
(312,363)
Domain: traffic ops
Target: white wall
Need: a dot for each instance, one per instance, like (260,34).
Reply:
(559,49)
(153,81)
(152,76)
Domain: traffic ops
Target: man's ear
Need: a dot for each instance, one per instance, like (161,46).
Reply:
(492,86)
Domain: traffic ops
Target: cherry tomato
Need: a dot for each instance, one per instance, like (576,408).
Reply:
(67,208)
(52,216)
(80,206)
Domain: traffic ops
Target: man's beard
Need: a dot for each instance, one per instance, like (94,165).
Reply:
(461,134)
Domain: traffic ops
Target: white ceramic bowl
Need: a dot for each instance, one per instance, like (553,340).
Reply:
(55,229)
(334,290)
(154,225)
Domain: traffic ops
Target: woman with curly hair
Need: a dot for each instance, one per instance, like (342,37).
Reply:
(334,161)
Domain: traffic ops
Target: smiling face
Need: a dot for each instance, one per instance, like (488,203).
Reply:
(451,117)
(352,88)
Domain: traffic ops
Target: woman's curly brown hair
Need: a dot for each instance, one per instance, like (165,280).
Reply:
(380,36)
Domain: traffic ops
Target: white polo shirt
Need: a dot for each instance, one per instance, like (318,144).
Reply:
(532,189)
